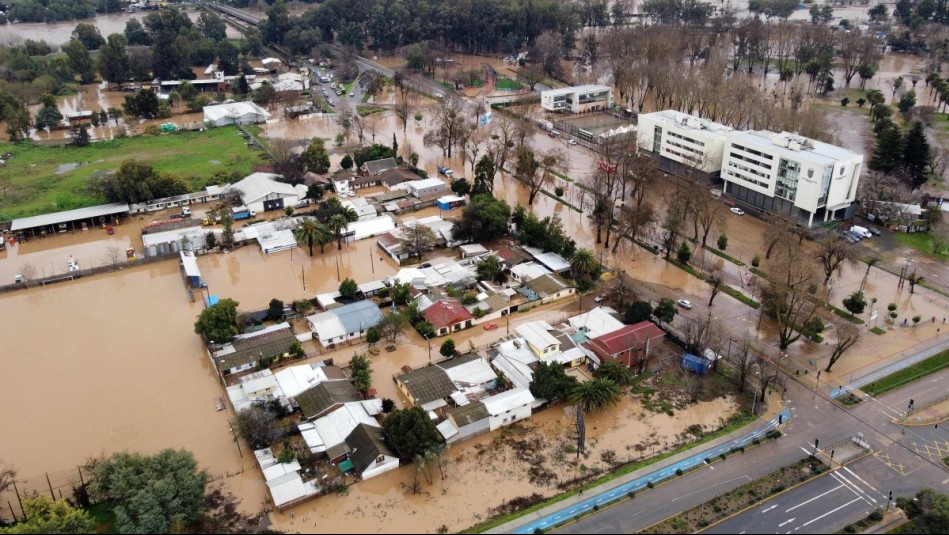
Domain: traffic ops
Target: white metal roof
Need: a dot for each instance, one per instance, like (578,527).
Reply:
(190,264)
(196,235)
(67,216)
(297,379)
(596,322)
(326,326)
(368,228)
(529,271)
(551,261)
(516,372)
(371,286)
(447,429)
(256,186)
(473,249)
(267,61)
(234,110)
(816,151)
(337,425)
(280,240)
(426,183)
(476,372)
(506,401)
(537,334)
(588,88)
(566,357)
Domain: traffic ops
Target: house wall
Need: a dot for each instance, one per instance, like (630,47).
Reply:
(239,369)
(676,141)
(471,430)
(566,292)
(388,463)
(507,418)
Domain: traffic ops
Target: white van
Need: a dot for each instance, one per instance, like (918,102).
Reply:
(860,231)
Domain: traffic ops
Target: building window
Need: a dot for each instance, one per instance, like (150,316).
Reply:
(788,173)
(825,186)
(657,138)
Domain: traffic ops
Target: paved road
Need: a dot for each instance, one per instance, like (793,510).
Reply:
(905,459)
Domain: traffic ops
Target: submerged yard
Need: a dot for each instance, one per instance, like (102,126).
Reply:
(37,179)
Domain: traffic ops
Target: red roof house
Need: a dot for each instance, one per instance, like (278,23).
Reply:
(447,316)
(628,345)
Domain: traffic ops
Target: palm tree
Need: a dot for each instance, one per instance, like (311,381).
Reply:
(324,236)
(583,263)
(337,224)
(594,394)
(615,372)
(310,233)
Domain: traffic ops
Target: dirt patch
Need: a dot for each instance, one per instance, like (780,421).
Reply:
(731,502)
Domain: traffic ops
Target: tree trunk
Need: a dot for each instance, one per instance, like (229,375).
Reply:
(311,248)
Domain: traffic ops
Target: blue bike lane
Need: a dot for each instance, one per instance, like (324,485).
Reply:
(656,477)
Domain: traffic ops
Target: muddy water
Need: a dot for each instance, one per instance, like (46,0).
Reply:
(59,33)
(107,363)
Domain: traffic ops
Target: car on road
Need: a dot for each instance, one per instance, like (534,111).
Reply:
(684,303)
(736,210)
(330,102)
(572,142)
(490,326)
(600,298)
(442,170)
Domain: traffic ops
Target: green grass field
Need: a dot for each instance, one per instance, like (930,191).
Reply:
(907,375)
(507,83)
(922,242)
(30,185)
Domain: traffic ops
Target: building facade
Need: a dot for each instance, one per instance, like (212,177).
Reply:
(577,99)
(682,142)
(797,177)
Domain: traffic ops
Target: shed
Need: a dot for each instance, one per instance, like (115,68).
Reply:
(450,202)
(694,364)
(190,265)
(472,249)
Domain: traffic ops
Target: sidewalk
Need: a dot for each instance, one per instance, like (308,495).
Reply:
(891,364)
(579,504)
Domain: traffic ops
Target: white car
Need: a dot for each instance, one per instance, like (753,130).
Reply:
(684,303)
(600,298)
(737,211)
(572,142)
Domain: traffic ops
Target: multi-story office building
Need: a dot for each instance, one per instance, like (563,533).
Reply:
(785,173)
(682,142)
(577,99)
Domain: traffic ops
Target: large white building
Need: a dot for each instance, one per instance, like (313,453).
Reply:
(801,178)
(235,113)
(263,192)
(577,99)
(679,139)
(784,173)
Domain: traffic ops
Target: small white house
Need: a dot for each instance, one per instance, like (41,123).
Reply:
(508,407)
(369,454)
(262,192)
(426,187)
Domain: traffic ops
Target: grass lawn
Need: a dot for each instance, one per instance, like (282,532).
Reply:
(907,375)
(507,83)
(104,516)
(30,185)
(922,242)
(368,110)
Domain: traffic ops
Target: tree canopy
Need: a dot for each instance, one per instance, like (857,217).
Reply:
(46,516)
(218,322)
(485,218)
(152,494)
(551,382)
(594,394)
(410,432)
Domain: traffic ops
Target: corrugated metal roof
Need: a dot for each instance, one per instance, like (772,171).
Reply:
(468,414)
(56,218)
(427,384)
(315,401)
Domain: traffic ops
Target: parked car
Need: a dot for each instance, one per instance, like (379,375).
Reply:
(852,234)
(572,142)
(736,210)
(684,303)
(600,298)
(875,231)
(490,326)
(860,231)
(442,170)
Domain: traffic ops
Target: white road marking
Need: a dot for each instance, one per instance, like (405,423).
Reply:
(855,493)
(814,498)
(713,486)
(770,508)
(851,472)
(860,490)
(830,512)
(805,450)
(781,525)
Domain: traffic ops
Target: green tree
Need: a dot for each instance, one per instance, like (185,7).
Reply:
(392,324)
(316,158)
(916,155)
(401,293)
(80,60)
(595,394)
(17,117)
(143,104)
(888,152)
(875,97)
(684,254)
(583,264)
(48,116)
(856,303)
(907,101)
(311,232)
(551,382)
(348,288)
(666,311)
(485,218)
(373,336)
(490,269)
(257,425)
(417,238)
(637,312)
(152,494)
(88,35)
(113,59)
(218,323)
(928,511)
(346,163)
(46,516)
(275,309)
(361,370)
(410,432)
(340,222)
(484,176)
(448,348)
(615,372)
(460,186)
(722,242)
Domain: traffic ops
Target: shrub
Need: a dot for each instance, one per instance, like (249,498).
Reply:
(773,434)
(723,456)
(596,507)
(631,495)
(756,261)
(875,516)
(650,484)
(678,471)
(559,191)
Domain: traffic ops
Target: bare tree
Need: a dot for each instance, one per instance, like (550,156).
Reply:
(403,110)
(767,373)
(856,48)
(913,279)
(7,477)
(790,292)
(716,280)
(622,292)
(28,271)
(450,124)
(113,255)
(832,251)
(536,172)
(744,363)
(847,336)
(632,221)
(871,261)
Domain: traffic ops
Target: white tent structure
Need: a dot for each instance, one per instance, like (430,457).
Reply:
(234,113)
